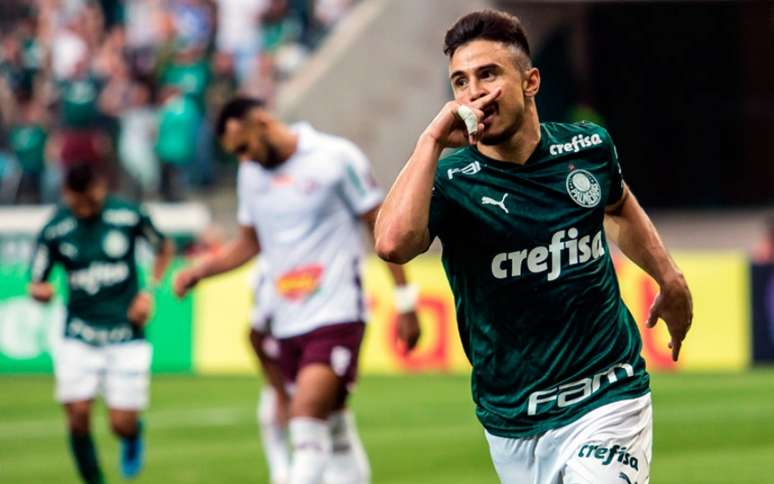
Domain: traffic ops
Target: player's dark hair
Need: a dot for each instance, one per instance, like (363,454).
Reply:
(235,109)
(488,25)
(79,178)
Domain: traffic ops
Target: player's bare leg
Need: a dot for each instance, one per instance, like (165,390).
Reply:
(124,423)
(317,393)
(126,426)
(81,442)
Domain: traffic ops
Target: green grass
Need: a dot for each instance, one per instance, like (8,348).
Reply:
(420,429)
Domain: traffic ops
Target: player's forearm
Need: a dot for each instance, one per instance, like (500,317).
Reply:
(235,254)
(398,274)
(401,230)
(162,260)
(633,232)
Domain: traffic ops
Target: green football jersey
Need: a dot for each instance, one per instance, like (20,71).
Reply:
(98,256)
(28,142)
(538,306)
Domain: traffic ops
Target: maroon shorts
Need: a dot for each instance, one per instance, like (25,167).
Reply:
(335,345)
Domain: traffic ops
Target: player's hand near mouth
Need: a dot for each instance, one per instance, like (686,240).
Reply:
(449,130)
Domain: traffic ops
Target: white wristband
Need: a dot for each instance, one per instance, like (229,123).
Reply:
(406,298)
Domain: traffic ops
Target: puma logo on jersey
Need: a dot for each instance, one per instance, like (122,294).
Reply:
(470,169)
(68,250)
(625,478)
(549,258)
(577,143)
(491,201)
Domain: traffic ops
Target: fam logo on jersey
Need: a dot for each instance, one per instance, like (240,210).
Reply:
(115,244)
(583,188)
(561,396)
(470,169)
(300,283)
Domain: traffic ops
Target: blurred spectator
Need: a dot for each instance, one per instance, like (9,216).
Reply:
(189,71)
(137,132)
(179,120)
(78,80)
(27,138)
(193,21)
(81,136)
(239,35)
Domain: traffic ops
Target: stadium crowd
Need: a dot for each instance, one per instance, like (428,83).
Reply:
(132,86)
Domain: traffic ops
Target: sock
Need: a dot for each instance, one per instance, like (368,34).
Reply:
(85,454)
(311,441)
(137,433)
(273,437)
(349,462)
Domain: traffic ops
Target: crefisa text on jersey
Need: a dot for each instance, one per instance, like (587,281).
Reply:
(579,251)
(576,143)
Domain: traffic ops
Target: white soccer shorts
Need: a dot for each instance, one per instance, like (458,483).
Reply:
(609,445)
(120,372)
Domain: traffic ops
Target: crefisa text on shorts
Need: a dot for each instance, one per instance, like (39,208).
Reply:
(607,455)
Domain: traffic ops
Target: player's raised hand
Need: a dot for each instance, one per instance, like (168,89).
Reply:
(140,309)
(41,291)
(185,280)
(449,128)
(675,306)
(408,330)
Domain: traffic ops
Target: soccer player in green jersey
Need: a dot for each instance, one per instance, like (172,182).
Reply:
(93,236)
(522,211)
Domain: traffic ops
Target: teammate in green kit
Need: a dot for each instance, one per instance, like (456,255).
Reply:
(522,211)
(93,236)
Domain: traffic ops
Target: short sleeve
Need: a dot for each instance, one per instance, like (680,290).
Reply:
(43,258)
(148,231)
(438,213)
(616,175)
(358,185)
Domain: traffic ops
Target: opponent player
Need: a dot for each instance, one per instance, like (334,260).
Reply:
(93,236)
(558,379)
(304,198)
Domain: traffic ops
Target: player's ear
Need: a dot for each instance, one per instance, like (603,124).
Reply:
(530,83)
(259,118)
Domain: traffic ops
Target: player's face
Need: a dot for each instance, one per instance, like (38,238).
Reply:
(249,139)
(483,66)
(88,204)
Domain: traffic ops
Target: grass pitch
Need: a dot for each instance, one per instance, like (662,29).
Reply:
(419,429)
